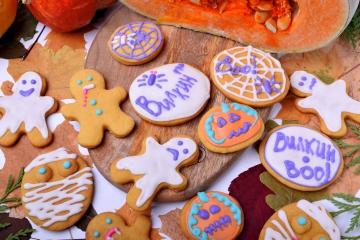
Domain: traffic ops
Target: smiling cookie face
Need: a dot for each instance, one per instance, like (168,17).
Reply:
(57,189)
(84,81)
(212,215)
(29,84)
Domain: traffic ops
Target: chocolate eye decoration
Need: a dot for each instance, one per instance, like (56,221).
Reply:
(67,167)
(214,209)
(33,81)
(23,82)
(234,117)
(43,174)
(203,214)
(221,122)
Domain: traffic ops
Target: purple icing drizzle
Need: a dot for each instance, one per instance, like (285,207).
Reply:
(27,92)
(240,131)
(174,152)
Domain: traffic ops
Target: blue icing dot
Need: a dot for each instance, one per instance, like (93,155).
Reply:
(225,107)
(99,112)
(93,102)
(322,238)
(246,109)
(42,170)
(89,78)
(78,82)
(301,221)
(108,220)
(96,234)
(67,164)
(203,197)
(192,221)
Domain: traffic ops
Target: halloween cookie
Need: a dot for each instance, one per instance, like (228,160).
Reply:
(329,101)
(230,127)
(25,111)
(154,168)
(301,220)
(301,157)
(249,76)
(213,216)
(96,108)
(170,94)
(56,189)
(136,43)
(106,226)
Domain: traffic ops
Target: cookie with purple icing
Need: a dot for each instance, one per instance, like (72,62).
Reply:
(301,157)
(213,216)
(136,43)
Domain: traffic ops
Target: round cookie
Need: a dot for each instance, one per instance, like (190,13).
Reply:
(57,189)
(250,76)
(136,43)
(301,220)
(106,226)
(25,111)
(230,127)
(213,216)
(301,157)
(156,167)
(170,94)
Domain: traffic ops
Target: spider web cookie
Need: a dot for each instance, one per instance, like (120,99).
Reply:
(250,76)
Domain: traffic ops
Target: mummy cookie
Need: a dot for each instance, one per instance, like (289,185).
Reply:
(230,127)
(213,216)
(329,101)
(136,43)
(96,109)
(249,76)
(25,112)
(110,226)
(301,220)
(156,167)
(301,158)
(170,94)
(56,189)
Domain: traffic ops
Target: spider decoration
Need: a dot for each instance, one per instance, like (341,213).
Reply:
(269,85)
(123,39)
(153,79)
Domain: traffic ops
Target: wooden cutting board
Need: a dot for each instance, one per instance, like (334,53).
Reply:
(184,46)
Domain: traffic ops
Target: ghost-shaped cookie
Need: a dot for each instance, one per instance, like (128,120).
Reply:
(57,189)
(25,111)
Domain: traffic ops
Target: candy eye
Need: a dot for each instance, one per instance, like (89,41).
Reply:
(214,209)
(320,237)
(33,81)
(43,174)
(234,117)
(67,167)
(221,122)
(301,224)
(89,78)
(23,82)
(203,214)
(79,82)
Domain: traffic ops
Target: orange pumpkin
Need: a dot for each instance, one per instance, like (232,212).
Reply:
(7,14)
(274,25)
(66,15)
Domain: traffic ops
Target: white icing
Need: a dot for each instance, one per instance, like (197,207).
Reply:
(56,155)
(271,234)
(289,144)
(44,204)
(120,40)
(265,65)
(304,82)
(197,92)
(328,100)
(30,110)
(2,159)
(318,212)
(157,165)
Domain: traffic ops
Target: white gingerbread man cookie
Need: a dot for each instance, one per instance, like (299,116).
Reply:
(156,167)
(25,111)
(329,101)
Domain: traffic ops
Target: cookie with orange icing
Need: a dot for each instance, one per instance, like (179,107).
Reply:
(212,216)
(230,127)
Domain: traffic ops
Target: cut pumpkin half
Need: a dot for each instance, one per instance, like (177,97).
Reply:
(273,25)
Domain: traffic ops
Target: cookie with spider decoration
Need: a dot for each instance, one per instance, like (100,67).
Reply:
(170,94)
(249,76)
(136,43)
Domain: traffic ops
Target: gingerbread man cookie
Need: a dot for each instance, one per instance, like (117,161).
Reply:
(56,189)
(156,167)
(96,108)
(25,111)
(110,226)
(329,101)
(301,220)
